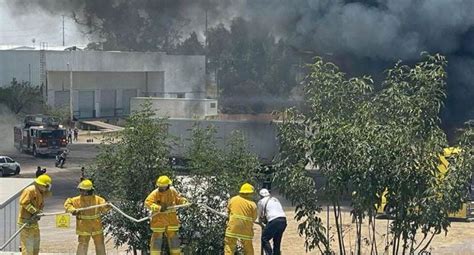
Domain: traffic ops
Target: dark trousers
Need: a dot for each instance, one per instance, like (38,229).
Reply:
(273,230)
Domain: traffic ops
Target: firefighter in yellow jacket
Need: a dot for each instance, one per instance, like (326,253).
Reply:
(88,222)
(159,200)
(31,204)
(242,214)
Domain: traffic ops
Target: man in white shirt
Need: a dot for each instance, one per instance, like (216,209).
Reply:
(270,212)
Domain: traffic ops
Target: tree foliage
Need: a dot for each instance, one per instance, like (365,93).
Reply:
(129,163)
(155,26)
(366,142)
(216,174)
(255,72)
(21,97)
(190,46)
(125,172)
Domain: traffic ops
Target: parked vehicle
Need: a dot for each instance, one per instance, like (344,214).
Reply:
(8,166)
(467,210)
(40,135)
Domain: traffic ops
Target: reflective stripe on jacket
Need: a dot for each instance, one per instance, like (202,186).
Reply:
(168,220)
(242,214)
(31,202)
(88,222)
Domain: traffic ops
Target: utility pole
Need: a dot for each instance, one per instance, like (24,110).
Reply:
(29,74)
(71,110)
(205,42)
(63,31)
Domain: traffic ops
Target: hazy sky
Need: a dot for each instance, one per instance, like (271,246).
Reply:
(19,27)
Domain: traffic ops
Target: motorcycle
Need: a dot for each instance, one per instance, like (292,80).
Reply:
(61,159)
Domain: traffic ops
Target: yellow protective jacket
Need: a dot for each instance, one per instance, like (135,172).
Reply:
(242,214)
(31,202)
(166,220)
(88,222)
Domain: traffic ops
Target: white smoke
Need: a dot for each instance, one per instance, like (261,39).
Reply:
(7,121)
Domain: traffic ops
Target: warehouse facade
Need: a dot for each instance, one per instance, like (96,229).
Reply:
(102,82)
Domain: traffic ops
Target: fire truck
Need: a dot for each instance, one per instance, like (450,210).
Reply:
(467,210)
(40,135)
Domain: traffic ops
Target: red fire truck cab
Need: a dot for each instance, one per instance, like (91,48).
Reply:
(40,135)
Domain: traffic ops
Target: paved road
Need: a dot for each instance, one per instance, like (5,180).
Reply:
(65,181)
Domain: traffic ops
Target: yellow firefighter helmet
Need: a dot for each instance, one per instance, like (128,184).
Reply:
(86,185)
(163,181)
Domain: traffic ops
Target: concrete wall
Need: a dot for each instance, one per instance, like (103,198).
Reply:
(180,74)
(261,137)
(185,74)
(178,107)
(59,80)
(22,65)
(97,61)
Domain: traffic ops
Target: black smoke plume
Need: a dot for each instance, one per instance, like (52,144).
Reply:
(360,36)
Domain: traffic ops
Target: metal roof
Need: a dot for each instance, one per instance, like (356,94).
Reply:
(38,47)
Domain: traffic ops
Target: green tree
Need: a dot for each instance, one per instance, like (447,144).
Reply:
(146,25)
(62,114)
(365,142)
(216,175)
(125,172)
(253,70)
(129,163)
(21,97)
(190,46)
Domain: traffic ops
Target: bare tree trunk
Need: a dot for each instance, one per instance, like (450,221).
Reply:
(412,242)
(337,211)
(372,234)
(358,233)
(396,243)
(421,242)
(405,244)
(428,243)
(341,225)
(371,240)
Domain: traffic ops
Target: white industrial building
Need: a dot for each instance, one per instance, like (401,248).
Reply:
(103,83)
(187,108)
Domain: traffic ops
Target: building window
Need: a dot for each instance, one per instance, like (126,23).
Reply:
(180,95)
(213,105)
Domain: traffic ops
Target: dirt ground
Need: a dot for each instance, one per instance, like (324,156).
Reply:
(459,239)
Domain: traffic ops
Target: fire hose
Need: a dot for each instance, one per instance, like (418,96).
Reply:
(119,211)
(41,215)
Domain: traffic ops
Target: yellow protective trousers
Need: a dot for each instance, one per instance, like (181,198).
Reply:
(30,240)
(83,245)
(230,245)
(156,242)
